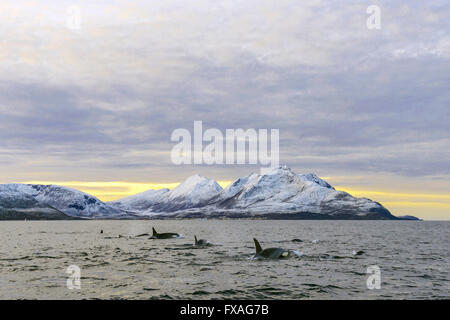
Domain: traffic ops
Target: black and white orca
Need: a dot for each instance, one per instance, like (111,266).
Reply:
(167,235)
(271,253)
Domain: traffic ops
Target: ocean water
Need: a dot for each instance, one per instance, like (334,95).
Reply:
(413,258)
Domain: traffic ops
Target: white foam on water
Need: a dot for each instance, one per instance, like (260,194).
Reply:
(297,253)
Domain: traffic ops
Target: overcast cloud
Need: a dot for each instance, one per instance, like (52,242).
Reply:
(100,103)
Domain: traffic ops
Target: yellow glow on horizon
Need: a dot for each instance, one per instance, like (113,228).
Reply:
(423,205)
(418,204)
(109,191)
(360,193)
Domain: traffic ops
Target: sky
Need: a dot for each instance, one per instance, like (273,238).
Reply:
(94,107)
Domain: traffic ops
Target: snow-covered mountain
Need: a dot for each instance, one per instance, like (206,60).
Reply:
(194,192)
(278,194)
(69,201)
(17,205)
(281,193)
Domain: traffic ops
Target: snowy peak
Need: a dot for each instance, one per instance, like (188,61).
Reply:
(282,191)
(237,186)
(195,189)
(305,177)
(149,195)
(314,178)
(277,185)
(274,182)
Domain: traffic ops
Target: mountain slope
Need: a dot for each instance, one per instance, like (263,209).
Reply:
(17,205)
(280,193)
(194,192)
(139,202)
(71,202)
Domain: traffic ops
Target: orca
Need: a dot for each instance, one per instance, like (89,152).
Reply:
(201,242)
(358,253)
(271,253)
(168,235)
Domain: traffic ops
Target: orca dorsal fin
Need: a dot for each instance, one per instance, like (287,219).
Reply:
(154,232)
(258,246)
(195,237)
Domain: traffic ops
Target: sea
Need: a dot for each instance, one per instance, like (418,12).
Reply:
(332,260)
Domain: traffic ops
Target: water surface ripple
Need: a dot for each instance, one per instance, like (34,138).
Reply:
(413,257)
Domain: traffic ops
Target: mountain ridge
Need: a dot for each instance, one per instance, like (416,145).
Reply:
(279,194)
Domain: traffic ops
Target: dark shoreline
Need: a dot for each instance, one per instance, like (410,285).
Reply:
(309,216)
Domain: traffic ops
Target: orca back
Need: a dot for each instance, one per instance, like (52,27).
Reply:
(257,246)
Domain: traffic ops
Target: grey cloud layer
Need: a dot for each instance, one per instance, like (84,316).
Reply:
(109,95)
